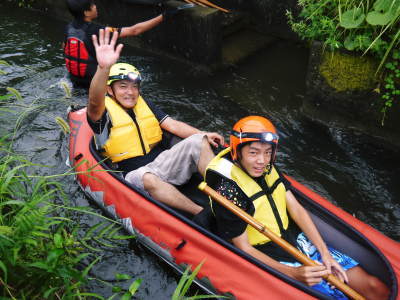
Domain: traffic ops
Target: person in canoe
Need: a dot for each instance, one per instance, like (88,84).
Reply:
(79,52)
(246,175)
(129,130)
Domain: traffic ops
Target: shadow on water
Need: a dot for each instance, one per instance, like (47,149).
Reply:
(349,169)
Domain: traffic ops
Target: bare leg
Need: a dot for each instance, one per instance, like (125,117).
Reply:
(367,285)
(168,194)
(206,155)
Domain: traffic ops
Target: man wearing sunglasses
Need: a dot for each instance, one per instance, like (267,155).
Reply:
(129,131)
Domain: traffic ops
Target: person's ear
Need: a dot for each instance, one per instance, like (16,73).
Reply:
(110,91)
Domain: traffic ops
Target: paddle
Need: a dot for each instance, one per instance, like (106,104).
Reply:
(196,2)
(276,239)
(205,3)
(213,5)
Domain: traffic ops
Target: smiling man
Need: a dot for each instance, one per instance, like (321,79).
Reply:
(245,174)
(129,131)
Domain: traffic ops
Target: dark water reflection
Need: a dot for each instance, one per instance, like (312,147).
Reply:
(346,168)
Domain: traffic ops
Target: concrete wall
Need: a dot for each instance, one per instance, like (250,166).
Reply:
(196,35)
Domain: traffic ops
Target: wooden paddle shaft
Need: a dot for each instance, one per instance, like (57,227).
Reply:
(213,5)
(278,240)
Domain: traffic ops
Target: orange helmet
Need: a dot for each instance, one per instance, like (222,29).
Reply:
(253,129)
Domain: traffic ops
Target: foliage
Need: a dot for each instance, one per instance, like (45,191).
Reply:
(184,284)
(392,81)
(43,254)
(366,26)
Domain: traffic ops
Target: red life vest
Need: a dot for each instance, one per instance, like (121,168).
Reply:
(76,54)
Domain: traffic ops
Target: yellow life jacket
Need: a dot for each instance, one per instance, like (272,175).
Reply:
(262,199)
(130,138)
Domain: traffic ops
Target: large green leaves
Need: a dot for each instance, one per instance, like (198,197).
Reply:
(352,18)
(385,12)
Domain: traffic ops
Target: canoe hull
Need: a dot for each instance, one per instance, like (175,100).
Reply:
(179,242)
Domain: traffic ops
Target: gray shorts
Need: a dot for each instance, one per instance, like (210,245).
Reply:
(175,165)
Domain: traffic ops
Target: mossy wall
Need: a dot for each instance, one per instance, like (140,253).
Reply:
(343,91)
(344,72)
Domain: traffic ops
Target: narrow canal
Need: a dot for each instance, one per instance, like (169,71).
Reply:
(351,170)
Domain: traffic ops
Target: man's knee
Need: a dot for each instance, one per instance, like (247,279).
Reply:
(150,181)
(377,286)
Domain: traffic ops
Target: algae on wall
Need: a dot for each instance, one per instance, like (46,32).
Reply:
(345,72)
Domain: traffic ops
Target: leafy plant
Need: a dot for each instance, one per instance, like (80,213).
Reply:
(391,82)
(356,25)
(184,284)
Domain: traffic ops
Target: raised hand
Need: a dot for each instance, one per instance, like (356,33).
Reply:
(106,52)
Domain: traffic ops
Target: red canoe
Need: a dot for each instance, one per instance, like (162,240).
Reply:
(226,270)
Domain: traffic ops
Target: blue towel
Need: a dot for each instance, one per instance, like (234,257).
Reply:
(305,246)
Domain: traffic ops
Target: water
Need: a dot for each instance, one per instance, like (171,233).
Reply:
(349,169)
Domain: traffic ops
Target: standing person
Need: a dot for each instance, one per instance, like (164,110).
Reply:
(129,130)
(245,174)
(79,52)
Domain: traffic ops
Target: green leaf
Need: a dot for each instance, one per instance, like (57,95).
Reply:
(350,43)
(54,255)
(5,97)
(87,269)
(49,292)
(385,11)
(89,294)
(116,289)
(39,265)
(386,5)
(58,240)
(32,242)
(6,230)
(126,296)
(352,18)
(119,276)
(376,18)
(3,62)
(135,286)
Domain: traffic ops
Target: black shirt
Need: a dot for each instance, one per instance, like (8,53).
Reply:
(127,165)
(229,226)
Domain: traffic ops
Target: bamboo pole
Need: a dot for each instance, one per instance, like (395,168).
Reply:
(278,240)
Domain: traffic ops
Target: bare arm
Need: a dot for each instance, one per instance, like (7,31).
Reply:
(107,54)
(141,27)
(304,221)
(184,130)
(307,275)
